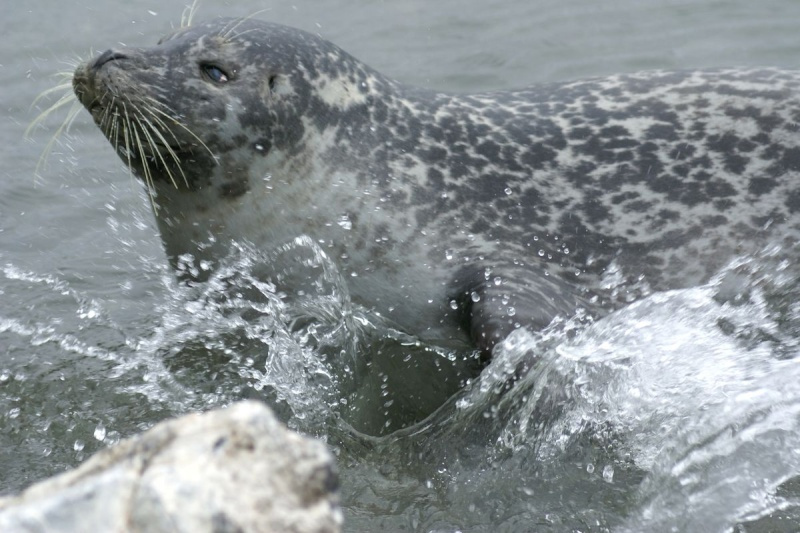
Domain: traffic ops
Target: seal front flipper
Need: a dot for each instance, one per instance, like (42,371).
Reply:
(494,301)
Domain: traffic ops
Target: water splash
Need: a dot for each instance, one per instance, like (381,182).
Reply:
(679,410)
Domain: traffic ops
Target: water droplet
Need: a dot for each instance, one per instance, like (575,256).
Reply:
(590,468)
(541,253)
(608,473)
(448,254)
(345,223)
(475,297)
(100,432)
(453,304)
(78,446)
(259,147)
(497,280)
(508,191)
(511,311)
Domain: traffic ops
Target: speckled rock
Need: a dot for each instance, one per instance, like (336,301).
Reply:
(230,470)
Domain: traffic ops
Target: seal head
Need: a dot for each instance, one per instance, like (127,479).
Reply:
(165,107)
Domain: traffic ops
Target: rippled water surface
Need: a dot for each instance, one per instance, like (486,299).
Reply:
(679,412)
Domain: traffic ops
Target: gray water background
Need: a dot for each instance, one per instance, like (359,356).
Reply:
(84,286)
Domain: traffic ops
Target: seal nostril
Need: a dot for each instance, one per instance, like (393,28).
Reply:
(105,57)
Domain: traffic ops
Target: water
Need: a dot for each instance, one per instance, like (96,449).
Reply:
(679,412)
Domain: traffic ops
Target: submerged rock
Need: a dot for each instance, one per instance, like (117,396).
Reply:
(233,470)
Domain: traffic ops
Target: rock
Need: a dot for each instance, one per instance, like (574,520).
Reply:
(233,470)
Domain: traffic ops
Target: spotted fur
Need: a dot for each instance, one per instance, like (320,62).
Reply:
(462,217)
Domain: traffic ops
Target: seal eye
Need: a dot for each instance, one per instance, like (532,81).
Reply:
(215,74)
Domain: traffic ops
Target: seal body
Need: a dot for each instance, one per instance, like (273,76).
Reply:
(457,217)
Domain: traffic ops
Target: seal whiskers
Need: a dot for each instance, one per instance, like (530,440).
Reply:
(188,14)
(126,134)
(146,127)
(67,98)
(150,106)
(227,32)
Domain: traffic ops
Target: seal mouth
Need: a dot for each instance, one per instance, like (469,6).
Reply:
(81,86)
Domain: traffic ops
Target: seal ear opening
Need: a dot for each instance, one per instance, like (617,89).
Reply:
(269,87)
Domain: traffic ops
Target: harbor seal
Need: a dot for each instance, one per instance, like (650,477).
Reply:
(457,217)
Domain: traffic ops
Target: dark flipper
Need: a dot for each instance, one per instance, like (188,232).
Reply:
(494,301)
